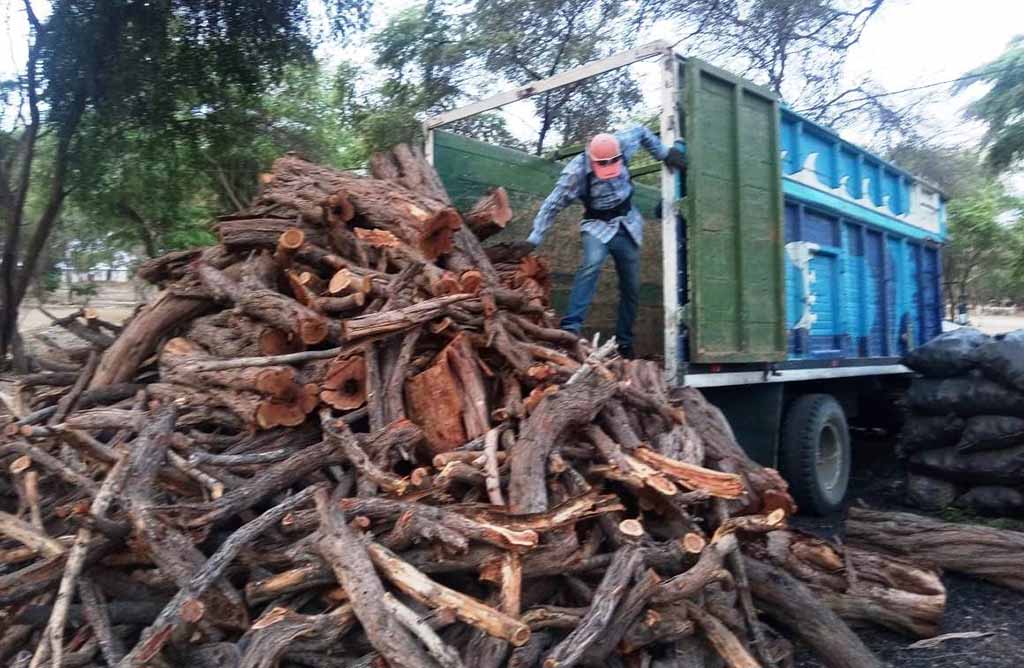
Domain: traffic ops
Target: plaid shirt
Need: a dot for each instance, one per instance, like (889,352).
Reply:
(604,193)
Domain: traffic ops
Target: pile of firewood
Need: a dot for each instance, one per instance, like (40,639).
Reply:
(344,436)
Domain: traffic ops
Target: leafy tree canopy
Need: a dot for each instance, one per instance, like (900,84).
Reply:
(443,53)
(1002,107)
(98,74)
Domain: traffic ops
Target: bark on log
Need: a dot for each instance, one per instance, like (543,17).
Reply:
(269,306)
(793,605)
(765,488)
(977,551)
(140,337)
(345,552)
(418,219)
(861,586)
(574,404)
(607,596)
(410,168)
(435,595)
(490,214)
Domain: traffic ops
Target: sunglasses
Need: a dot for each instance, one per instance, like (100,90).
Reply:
(609,161)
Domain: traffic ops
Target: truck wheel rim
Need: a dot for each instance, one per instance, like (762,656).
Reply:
(829,460)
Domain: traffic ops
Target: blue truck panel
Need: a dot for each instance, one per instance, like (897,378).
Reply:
(862,249)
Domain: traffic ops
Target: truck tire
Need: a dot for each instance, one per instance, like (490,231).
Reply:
(815,455)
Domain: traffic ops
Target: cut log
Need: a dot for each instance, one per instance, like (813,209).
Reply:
(140,337)
(347,555)
(575,404)
(409,168)
(288,244)
(490,214)
(434,402)
(344,386)
(432,594)
(861,586)
(334,305)
(420,220)
(977,551)
(345,281)
(398,320)
(264,233)
(793,605)
(766,490)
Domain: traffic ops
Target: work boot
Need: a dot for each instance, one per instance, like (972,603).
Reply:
(626,351)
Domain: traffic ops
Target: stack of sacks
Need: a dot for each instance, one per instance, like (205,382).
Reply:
(964,439)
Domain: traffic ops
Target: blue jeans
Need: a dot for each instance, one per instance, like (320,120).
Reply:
(626,255)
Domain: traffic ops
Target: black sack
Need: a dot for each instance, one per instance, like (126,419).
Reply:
(926,432)
(966,397)
(993,500)
(947,355)
(1003,360)
(991,432)
(929,493)
(1015,335)
(989,467)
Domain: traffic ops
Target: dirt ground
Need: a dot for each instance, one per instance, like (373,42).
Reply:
(113,302)
(997,324)
(971,605)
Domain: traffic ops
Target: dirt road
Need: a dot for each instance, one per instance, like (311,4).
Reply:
(997,324)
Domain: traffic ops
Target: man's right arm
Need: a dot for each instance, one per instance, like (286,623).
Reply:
(563,194)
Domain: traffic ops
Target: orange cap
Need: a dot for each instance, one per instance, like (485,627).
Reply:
(604,148)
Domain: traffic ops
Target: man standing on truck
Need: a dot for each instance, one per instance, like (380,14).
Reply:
(611,225)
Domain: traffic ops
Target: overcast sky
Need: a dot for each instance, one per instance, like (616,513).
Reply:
(908,43)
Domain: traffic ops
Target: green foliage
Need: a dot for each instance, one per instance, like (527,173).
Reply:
(50,282)
(136,62)
(156,190)
(444,53)
(980,255)
(1002,107)
(83,289)
(439,55)
(102,77)
(957,172)
(984,256)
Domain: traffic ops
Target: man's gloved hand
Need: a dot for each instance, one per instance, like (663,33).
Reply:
(520,249)
(675,158)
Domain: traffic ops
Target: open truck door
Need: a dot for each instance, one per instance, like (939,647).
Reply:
(733,208)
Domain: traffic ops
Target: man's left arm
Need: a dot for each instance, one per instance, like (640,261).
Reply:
(632,140)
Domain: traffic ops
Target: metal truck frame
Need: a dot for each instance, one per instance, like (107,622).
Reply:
(778,378)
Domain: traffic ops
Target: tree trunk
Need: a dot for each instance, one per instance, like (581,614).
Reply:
(141,336)
(981,552)
(860,586)
(792,604)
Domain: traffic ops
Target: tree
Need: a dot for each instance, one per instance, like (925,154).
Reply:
(125,66)
(982,256)
(428,54)
(1002,107)
(444,53)
(439,55)
(956,171)
(798,49)
(977,241)
(157,189)
(526,40)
